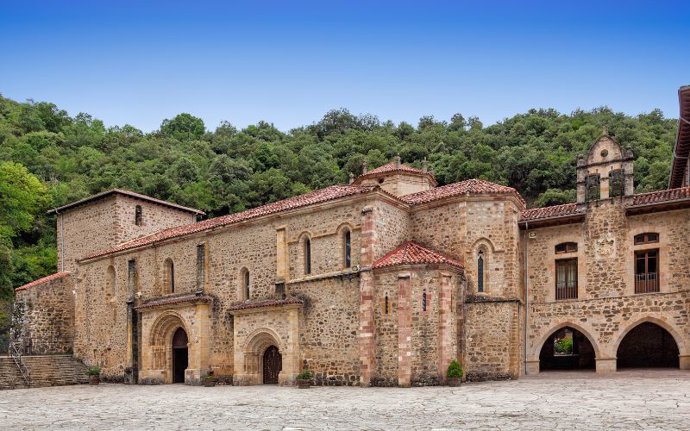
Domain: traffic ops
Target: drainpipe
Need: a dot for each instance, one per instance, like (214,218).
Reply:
(62,240)
(526,291)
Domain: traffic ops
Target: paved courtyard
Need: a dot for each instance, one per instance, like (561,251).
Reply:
(626,401)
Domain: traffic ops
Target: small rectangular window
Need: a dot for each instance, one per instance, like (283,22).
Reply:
(138,215)
(593,191)
(616,183)
(566,279)
(280,291)
(200,267)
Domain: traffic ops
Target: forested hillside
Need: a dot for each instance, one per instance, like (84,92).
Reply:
(48,159)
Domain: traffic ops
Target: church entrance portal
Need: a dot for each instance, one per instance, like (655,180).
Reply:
(180,355)
(272,364)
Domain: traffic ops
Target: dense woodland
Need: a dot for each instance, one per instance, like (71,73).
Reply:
(48,158)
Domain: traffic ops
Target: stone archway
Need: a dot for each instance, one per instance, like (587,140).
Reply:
(169,347)
(647,345)
(567,349)
(261,346)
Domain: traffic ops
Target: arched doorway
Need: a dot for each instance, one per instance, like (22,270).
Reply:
(272,364)
(647,345)
(567,349)
(180,356)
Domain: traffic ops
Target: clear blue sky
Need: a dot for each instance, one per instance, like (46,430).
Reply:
(289,62)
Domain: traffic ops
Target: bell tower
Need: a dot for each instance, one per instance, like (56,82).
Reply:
(606,172)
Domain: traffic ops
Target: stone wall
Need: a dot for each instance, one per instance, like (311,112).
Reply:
(46,314)
(607,306)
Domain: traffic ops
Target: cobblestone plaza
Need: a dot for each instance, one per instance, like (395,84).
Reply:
(649,400)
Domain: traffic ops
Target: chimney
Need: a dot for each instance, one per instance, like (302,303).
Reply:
(352,178)
(364,167)
(425,166)
(397,161)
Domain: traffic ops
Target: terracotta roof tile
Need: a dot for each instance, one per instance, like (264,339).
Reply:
(51,277)
(661,196)
(549,212)
(177,299)
(264,303)
(315,197)
(471,187)
(125,193)
(411,253)
(394,167)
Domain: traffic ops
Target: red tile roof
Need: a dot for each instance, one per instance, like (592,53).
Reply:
(549,212)
(125,193)
(395,167)
(177,299)
(247,305)
(681,149)
(51,277)
(467,187)
(411,253)
(661,196)
(315,197)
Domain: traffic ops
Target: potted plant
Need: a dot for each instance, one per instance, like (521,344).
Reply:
(454,373)
(94,373)
(210,380)
(304,379)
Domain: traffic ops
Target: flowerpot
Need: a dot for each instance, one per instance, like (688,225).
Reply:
(94,380)
(453,381)
(303,383)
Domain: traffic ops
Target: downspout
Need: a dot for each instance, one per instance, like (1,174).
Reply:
(62,240)
(526,292)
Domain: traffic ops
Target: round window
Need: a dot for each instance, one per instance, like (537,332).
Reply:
(604,153)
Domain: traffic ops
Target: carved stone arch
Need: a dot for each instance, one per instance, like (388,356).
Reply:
(536,348)
(481,257)
(165,326)
(305,253)
(483,243)
(258,342)
(245,282)
(168,276)
(677,334)
(344,234)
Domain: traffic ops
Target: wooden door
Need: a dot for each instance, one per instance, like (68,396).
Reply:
(273,363)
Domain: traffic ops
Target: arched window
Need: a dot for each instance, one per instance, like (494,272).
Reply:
(246,286)
(137,215)
(646,238)
(566,247)
(480,272)
(307,256)
(110,283)
(424,300)
(347,244)
(169,276)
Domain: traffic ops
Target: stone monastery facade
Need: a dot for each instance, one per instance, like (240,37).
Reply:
(383,281)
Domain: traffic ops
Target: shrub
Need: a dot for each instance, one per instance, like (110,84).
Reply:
(564,346)
(304,375)
(454,369)
(94,370)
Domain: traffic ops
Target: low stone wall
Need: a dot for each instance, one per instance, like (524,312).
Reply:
(44,314)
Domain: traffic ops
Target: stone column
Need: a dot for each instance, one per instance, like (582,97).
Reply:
(404,330)
(446,352)
(291,362)
(367,344)
(606,365)
(199,348)
(684,362)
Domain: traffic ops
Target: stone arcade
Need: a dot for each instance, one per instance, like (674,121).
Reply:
(380,282)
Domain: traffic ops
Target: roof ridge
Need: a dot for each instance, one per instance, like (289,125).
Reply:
(54,276)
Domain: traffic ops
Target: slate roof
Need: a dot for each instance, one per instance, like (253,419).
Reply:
(177,299)
(315,197)
(412,253)
(247,305)
(125,193)
(467,187)
(46,279)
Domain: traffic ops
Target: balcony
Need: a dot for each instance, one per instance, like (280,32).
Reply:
(647,282)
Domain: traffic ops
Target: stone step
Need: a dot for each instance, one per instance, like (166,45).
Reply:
(53,370)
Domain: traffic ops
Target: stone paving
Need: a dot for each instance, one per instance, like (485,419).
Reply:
(555,401)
